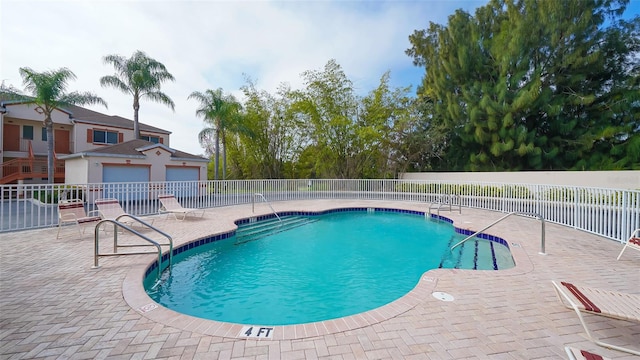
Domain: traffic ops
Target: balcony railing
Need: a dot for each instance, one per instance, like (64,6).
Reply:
(611,213)
(28,168)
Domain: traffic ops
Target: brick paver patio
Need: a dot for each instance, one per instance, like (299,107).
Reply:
(54,305)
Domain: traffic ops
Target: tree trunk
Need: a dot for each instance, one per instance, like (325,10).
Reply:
(224,157)
(216,160)
(136,127)
(48,123)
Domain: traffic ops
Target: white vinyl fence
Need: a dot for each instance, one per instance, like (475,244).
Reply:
(612,213)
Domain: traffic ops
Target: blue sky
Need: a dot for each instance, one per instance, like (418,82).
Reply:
(207,44)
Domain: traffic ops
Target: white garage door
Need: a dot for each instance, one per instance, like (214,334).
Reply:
(183,174)
(126,174)
(181,181)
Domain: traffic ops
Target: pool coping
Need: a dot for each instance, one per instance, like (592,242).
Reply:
(136,297)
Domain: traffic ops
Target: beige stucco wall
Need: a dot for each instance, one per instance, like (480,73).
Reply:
(25,114)
(38,145)
(158,157)
(75,170)
(79,136)
(628,179)
(28,112)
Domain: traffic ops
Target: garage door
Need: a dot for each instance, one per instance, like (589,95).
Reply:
(182,181)
(183,174)
(128,175)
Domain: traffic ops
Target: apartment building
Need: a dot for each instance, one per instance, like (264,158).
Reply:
(90,147)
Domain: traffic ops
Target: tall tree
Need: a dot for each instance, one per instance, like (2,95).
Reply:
(220,113)
(328,106)
(533,84)
(140,76)
(418,140)
(381,112)
(270,144)
(48,91)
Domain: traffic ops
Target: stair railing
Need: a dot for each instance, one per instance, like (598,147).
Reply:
(253,200)
(542,235)
(117,224)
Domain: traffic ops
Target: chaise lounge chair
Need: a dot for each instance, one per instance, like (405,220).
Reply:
(575,354)
(632,243)
(170,205)
(110,209)
(72,211)
(612,304)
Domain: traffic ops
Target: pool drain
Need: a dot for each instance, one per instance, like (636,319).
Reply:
(442,296)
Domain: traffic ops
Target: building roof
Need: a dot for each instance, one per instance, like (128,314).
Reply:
(80,114)
(83,115)
(134,148)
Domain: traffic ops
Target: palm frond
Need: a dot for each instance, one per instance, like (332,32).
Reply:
(205,134)
(82,98)
(160,97)
(118,62)
(114,82)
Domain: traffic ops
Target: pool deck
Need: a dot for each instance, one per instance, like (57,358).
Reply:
(54,305)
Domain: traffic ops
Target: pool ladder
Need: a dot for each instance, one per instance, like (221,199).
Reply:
(117,224)
(446,202)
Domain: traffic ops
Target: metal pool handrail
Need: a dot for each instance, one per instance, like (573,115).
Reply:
(265,200)
(448,202)
(116,224)
(542,235)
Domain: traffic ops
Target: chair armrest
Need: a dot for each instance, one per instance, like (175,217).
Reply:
(67,217)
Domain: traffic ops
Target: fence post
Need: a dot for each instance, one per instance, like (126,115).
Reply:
(624,226)
(576,206)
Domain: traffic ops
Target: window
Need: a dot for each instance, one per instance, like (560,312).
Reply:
(153,139)
(27,132)
(44,134)
(105,137)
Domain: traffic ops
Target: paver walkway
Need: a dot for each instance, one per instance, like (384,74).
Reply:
(54,305)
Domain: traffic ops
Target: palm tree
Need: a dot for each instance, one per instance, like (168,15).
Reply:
(221,112)
(47,91)
(140,76)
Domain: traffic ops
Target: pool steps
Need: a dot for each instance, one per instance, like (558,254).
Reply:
(468,254)
(257,230)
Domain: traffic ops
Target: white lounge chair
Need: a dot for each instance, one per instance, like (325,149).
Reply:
(72,211)
(632,243)
(171,206)
(599,302)
(110,209)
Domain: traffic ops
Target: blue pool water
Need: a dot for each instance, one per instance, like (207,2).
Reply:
(337,265)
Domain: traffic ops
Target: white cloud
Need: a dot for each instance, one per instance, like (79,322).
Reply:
(211,44)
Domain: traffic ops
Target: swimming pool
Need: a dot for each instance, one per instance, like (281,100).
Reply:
(316,268)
